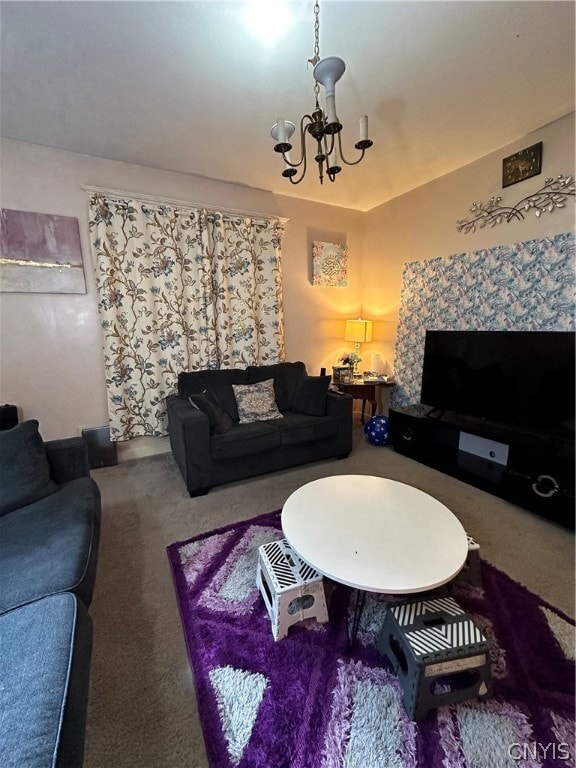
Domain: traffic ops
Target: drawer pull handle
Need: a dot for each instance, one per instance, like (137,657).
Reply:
(545,486)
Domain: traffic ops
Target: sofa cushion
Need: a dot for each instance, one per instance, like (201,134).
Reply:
(256,402)
(311,396)
(191,383)
(53,543)
(217,382)
(24,467)
(286,377)
(298,428)
(218,419)
(68,459)
(245,440)
(45,668)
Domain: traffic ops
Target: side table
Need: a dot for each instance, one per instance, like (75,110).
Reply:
(365,390)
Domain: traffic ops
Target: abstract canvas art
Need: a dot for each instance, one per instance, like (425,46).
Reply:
(40,253)
(329,264)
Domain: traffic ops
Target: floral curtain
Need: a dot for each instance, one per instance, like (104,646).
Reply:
(180,289)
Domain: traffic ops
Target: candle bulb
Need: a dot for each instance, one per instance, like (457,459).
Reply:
(364,128)
(331,109)
(281,130)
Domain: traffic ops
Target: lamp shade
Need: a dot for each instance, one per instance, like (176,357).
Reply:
(282,130)
(358,330)
(328,71)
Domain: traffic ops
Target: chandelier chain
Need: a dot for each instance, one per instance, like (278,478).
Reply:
(316,33)
(316,58)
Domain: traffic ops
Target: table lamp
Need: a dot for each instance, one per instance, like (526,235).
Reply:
(358,331)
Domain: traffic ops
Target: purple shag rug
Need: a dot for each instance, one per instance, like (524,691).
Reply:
(308,702)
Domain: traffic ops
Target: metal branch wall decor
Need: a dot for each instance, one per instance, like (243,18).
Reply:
(552,195)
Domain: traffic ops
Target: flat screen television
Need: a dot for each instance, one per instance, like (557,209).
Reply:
(519,378)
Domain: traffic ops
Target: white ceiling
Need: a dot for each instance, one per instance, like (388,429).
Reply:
(183,86)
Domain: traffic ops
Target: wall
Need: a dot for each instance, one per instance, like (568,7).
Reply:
(51,345)
(422,224)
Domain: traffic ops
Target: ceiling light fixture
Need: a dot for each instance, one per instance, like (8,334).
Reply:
(323,127)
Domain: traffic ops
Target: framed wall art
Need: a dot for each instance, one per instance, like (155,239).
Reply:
(329,264)
(40,253)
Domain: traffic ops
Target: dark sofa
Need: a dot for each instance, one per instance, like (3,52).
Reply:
(212,445)
(49,536)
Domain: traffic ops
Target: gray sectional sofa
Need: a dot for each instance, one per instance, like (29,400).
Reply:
(49,534)
(214,442)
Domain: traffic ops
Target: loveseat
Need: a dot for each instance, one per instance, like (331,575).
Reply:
(49,535)
(230,424)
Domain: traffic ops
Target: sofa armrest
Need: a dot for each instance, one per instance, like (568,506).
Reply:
(45,672)
(339,406)
(68,459)
(189,431)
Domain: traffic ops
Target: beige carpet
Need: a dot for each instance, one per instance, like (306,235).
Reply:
(142,710)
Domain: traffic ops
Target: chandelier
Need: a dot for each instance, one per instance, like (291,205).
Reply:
(324,127)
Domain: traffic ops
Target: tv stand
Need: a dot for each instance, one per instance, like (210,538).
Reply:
(532,469)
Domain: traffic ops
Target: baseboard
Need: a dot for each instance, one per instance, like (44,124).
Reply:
(139,447)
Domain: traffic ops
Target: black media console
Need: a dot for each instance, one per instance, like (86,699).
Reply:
(532,469)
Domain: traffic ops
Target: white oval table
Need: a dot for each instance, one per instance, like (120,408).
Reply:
(374,534)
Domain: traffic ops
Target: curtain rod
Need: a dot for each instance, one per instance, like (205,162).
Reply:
(180,203)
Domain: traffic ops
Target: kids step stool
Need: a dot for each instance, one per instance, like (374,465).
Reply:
(438,653)
(292,590)
(470,572)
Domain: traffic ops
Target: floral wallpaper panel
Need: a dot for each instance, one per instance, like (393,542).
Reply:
(526,286)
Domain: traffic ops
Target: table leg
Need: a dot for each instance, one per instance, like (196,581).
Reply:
(373,405)
(358,608)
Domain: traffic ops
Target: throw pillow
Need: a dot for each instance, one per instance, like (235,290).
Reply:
(24,467)
(311,396)
(287,377)
(220,422)
(218,383)
(256,402)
